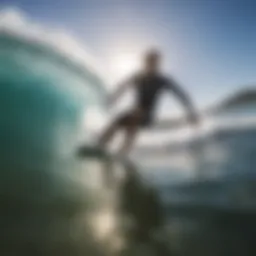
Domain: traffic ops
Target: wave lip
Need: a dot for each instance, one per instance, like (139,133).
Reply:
(56,43)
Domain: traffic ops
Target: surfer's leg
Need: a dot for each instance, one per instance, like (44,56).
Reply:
(130,136)
(108,134)
(129,122)
(122,122)
(131,131)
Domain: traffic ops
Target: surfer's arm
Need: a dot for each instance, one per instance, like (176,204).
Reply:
(121,89)
(185,100)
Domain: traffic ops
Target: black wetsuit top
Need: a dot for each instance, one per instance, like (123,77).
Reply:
(148,88)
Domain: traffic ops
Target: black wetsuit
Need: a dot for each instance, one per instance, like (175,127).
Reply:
(147,88)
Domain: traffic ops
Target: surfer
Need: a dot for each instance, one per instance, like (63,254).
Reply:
(148,84)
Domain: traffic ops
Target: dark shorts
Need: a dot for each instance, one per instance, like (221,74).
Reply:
(125,120)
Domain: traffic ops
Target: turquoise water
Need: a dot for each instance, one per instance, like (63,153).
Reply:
(45,196)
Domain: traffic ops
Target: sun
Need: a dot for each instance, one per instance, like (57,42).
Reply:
(124,64)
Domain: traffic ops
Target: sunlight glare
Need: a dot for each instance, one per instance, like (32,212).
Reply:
(124,64)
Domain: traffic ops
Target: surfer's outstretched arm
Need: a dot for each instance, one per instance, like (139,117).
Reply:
(184,99)
(121,89)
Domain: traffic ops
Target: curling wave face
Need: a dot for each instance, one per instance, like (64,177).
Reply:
(47,195)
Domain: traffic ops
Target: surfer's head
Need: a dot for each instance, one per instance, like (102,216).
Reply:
(152,59)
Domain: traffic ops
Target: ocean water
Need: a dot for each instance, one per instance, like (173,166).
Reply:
(207,188)
(198,198)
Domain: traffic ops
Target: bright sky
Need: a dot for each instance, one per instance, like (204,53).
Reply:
(209,45)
